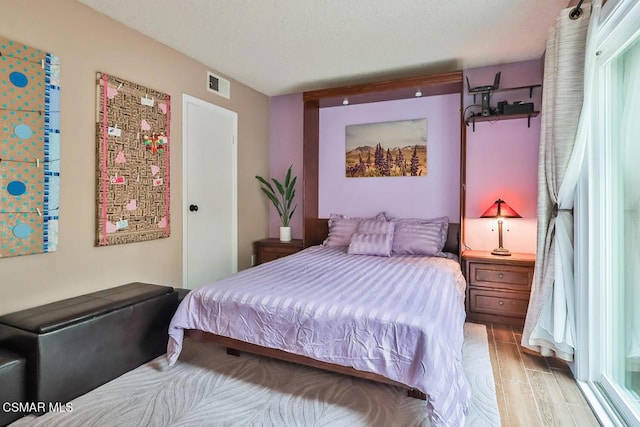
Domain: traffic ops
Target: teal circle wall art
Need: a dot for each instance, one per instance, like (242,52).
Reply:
(23,131)
(22,231)
(16,188)
(18,79)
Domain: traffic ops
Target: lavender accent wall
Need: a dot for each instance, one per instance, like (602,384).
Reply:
(502,161)
(285,149)
(436,194)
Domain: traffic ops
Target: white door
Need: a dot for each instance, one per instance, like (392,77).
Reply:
(210,248)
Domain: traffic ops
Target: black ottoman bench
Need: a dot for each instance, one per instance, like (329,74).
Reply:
(13,373)
(75,345)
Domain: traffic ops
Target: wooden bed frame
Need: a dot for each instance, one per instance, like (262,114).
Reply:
(234,347)
(315,229)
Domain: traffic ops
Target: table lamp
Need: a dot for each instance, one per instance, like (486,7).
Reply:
(500,210)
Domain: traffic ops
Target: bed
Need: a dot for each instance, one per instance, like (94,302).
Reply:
(395,319)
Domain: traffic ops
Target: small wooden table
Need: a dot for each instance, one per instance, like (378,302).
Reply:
(269,249)
(498,287)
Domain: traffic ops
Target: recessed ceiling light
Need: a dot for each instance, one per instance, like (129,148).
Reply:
(345,101)
(418,93)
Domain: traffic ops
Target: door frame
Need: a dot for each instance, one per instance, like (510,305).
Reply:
(188,99)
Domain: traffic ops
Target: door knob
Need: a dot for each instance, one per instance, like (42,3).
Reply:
(193,208)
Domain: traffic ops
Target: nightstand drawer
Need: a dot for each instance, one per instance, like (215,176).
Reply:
(267,250)
(498,303)
(500,276)
(270,254)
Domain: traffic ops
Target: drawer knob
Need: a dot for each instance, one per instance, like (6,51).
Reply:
(501,275)
(501,302)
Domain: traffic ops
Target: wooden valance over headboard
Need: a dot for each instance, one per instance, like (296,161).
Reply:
(314,228)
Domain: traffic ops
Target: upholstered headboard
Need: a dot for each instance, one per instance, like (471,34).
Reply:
(453,239)
(318,228)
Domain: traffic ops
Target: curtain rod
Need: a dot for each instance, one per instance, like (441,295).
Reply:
(576,12)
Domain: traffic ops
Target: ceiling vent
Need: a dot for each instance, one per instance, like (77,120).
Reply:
(218,85)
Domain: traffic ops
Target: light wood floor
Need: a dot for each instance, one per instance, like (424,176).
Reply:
(533,390)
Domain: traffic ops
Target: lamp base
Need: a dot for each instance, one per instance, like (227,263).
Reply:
(501,252)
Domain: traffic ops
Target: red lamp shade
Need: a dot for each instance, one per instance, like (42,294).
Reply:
(500,209)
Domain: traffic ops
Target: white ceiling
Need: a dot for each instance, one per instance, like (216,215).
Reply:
(287,46)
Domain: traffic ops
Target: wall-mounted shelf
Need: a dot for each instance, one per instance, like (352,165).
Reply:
(498,117)
(509,89)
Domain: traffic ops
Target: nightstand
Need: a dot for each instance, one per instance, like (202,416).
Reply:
(498,287)
(269,249)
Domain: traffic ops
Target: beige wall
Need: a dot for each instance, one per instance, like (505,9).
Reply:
(87,42)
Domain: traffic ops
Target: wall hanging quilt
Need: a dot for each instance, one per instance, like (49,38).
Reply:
(29,149)
(132,130)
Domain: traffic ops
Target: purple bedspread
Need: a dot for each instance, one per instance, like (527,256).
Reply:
(401,317)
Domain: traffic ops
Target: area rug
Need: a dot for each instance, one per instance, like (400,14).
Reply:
(207,387)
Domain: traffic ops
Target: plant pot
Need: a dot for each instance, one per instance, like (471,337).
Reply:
(285,234)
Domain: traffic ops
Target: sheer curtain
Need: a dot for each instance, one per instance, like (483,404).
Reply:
(631,182)
(550,324)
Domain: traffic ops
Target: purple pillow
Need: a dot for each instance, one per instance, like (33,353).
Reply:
(340,231)
(414,238)
(342,227)
(405,236)
(382,216)
(375,226)
(371,244)
(441,219)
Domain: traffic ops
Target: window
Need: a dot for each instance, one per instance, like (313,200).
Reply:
(608,353)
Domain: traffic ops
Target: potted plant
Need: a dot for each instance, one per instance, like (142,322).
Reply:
(282,200)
